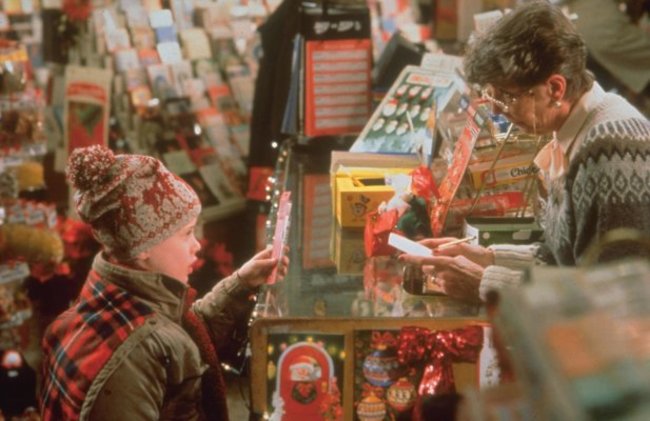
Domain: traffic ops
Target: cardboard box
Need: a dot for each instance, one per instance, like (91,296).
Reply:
(497,230)
(507,170)
(356,197)
(348,252)
(358,186)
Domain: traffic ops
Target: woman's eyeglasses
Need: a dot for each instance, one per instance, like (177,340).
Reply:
(503,99)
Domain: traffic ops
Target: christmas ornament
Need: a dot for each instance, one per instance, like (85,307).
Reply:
(401,395)
(380,367)
(371,408)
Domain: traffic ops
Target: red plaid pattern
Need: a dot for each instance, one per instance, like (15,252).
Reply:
(78,344)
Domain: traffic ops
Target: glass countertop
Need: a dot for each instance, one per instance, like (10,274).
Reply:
(329,274)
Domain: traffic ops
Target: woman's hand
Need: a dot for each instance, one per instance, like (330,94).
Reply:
(457,276)
(256,271)
(457,269)
(478,254)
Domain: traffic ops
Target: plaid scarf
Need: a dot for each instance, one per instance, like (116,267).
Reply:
(80,342)
(213,386)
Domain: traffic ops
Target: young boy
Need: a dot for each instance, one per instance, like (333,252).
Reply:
(134,346)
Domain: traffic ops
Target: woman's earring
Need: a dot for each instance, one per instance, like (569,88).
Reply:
(557,104)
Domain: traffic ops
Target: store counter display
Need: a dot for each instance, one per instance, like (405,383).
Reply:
(341,336)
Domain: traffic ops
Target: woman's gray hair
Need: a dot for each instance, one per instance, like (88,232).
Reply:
(527,46)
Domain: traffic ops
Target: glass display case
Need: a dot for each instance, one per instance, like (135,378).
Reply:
(329,274)
(333,337)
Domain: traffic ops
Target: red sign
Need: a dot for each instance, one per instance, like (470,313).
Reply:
(337,86)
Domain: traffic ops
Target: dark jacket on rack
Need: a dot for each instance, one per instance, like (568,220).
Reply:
(272,84)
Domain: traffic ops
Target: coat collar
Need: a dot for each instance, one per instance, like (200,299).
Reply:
(162,293)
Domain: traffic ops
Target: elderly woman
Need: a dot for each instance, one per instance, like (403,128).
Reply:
(531,66)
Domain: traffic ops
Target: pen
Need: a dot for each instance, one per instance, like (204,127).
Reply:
(453,243)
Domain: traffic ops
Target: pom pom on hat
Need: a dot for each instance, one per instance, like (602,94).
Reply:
(131,202)
(88,167)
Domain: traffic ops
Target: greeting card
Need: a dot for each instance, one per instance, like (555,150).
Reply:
(86,106)
(169,52)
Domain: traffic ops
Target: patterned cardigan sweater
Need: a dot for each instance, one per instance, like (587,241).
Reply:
(606,186)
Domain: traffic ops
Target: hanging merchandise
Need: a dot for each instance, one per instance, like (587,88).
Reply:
(336,67)
(87,106)
(21,134)
(405,120)
(28,240)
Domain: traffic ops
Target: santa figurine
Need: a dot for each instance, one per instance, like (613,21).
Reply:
(305,372)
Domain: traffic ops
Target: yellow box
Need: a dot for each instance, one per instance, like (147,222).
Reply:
(358,185)
(506,171)
(348,251)
(355,199)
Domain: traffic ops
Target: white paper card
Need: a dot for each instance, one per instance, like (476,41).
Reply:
(408,246)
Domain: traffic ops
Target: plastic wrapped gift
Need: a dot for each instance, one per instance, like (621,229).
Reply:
(14,67)
(21,107)
(14,308)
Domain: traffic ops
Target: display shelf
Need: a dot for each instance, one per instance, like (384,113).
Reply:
(347,341)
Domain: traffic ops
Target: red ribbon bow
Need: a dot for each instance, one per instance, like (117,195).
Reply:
(437,350)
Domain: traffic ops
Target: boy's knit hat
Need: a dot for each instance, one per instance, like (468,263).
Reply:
(132,202)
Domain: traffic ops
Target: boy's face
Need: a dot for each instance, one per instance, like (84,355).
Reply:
(175,256)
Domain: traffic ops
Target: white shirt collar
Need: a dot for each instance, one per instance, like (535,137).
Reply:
(568,133)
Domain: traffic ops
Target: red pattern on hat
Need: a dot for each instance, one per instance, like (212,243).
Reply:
(132,202)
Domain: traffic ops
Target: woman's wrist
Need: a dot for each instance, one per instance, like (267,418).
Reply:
(490,257)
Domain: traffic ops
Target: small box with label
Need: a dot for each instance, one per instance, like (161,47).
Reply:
(498,230)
